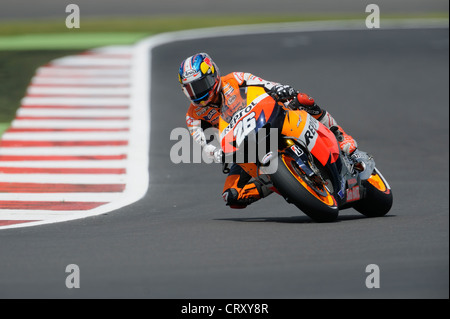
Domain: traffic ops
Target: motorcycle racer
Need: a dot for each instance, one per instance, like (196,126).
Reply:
(207,91)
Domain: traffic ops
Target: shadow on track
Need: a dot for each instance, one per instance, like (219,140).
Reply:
(296,219)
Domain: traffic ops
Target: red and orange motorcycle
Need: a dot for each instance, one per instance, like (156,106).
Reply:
(310,172)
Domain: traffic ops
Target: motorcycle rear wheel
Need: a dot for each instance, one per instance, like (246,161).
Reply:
(316,202)
(378,199)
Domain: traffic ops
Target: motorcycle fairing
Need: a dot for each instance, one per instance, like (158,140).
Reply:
(254,112)
(302,126)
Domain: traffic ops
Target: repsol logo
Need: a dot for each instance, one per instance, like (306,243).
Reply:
(311,131)
(236,117)
(241,113)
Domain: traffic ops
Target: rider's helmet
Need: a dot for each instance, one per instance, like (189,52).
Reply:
(200,79)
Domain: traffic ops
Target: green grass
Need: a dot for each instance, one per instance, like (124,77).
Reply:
(16,70)
(59,41)
(3,127)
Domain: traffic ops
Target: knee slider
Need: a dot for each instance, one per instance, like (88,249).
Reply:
(230,196)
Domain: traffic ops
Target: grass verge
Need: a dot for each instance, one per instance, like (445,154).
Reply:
(16,70)
(3,127)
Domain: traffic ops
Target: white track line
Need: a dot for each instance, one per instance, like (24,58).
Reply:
(61,71)
(61,197)
(64,178)
(78,91)
(117,49)
(76,101)
(55,124)
(99,87)
(81,81)
(67,136)
(91,61)
(61,151)
(43,216)
(67,164)
(72,112)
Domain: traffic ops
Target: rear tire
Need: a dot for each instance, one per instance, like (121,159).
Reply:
(294,189)
(378,198)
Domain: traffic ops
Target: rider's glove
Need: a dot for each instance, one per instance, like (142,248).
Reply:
(199,136)
(213,153)
(283,92)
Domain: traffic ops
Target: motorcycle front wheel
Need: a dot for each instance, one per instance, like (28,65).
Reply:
(308,195)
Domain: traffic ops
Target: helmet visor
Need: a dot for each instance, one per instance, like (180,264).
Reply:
(199,90)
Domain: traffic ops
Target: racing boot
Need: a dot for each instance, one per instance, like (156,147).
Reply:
(347,143)
(303,101)
(240,196)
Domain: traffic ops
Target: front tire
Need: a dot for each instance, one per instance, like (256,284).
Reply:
(294,186)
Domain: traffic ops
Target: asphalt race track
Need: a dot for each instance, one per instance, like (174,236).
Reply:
(387,88)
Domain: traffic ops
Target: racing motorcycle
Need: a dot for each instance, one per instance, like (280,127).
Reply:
(311,172)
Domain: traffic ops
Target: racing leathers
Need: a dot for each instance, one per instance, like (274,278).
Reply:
(240,189)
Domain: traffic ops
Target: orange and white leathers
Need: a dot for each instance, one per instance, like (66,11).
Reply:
(239,189)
